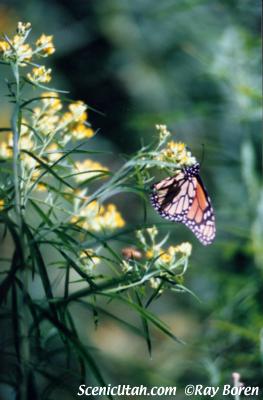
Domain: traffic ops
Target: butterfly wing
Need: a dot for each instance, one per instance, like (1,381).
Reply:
(172,197)
(184,199)
(200,216)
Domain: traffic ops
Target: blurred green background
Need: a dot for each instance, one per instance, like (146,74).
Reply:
(195,66)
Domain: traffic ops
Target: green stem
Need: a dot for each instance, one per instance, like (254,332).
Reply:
(14,123)
(24,344)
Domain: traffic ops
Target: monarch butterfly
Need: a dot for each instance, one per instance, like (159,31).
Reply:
(183,198)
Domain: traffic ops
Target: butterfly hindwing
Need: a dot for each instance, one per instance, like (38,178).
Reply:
(200,217)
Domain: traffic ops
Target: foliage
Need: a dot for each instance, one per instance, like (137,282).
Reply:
(195,66)
(53,204)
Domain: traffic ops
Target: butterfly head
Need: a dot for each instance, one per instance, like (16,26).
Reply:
(191,171)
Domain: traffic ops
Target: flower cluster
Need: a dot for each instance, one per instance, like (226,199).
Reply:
(48,119)
(75,122)
(173,152)
(25,143)
(155,249)
(54,130)
(97,217)
(45,130)
(40,75)
(88,169)
(165,259)
(15,50)
(168,256)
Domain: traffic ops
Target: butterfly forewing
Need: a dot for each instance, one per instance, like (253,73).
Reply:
(173,196)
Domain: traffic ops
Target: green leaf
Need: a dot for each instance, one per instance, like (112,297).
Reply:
(47,169)
(146,314)
(41,213)
(78,269)
(42,269)
(16,322)
(145,325)
(79,347)
(107,313)
(17,259)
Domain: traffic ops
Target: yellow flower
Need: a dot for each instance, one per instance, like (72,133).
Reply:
(26,143)
(88,169)
(80,131)
(112,218)
(96,217)
(45,123)
(74,124)
(53,154)
(176,152)
(4,46)
(160,254)
(5,151)
(35,174)
(78,110)
(66,119)
(149,254)
(17,50)
(41,187)
(2,204)
(166,257)
(52,102)
(45,46)
(24,54)
(185,248)
(39,75)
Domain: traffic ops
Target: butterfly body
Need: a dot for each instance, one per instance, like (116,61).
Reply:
(183,198)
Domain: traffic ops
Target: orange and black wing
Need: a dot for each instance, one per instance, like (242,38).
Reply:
(200,216)
(172,197)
